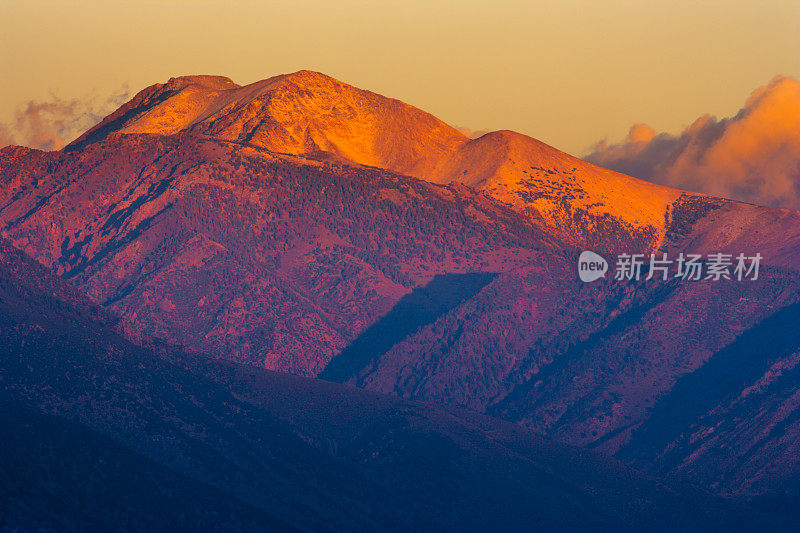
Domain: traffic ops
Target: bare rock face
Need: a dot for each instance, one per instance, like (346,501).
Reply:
(251,223)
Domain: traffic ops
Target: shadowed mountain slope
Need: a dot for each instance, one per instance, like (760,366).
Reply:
(59,475)
(588,364)
(251,449)
(422,307)
(753,379)
(271,260)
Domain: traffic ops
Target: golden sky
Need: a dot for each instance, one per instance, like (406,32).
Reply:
(568,73)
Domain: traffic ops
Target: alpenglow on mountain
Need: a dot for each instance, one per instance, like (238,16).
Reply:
(304,225)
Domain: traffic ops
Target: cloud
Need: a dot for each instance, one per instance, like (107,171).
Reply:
(472,134)
(52,124)
(6,136)
(752,157)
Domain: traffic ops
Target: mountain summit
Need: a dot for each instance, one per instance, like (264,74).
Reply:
(300,113)
(310,114)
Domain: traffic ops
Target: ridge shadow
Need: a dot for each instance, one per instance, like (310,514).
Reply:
(423,306)
(716,383)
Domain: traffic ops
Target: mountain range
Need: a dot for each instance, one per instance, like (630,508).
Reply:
(104,434)
(301,225)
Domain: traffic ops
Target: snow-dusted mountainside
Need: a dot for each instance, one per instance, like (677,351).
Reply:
(581,202)
(308,113)
(301,113)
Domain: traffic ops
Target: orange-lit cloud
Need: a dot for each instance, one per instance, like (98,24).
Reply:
(753,156)
(52,124)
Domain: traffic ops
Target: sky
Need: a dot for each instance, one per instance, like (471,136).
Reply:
(569,73)
(753,156)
